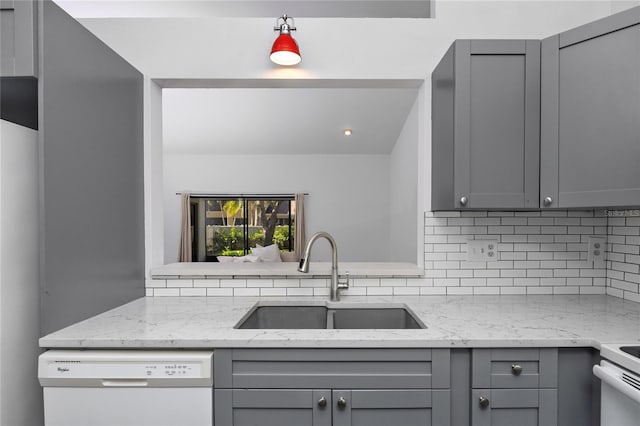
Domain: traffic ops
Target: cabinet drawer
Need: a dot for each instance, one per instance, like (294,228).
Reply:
(521,407)
(332,368)
(515,368)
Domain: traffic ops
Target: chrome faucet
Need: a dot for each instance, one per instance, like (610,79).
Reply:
(336,284)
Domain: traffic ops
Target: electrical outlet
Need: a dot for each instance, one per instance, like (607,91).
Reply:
(597,248)
(482,250)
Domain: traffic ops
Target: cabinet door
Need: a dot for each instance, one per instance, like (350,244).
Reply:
(509,407)
(503,368)
(18,38)
(496,136)
(590,141)
(272,407)
(391,407)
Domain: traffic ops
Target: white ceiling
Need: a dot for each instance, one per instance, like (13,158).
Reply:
(231,121)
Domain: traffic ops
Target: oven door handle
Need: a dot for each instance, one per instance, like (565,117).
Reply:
(614,381)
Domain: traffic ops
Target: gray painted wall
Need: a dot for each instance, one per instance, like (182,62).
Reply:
(91,122)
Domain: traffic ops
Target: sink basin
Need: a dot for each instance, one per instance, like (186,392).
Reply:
(390,318)
(285,316)
(331,316)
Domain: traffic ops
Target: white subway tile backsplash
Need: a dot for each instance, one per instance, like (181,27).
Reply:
(156,283)
(486,290)
(433,291)
(170,292)
(193,292)
(513,290)
(406,291)
(179,283)
(273,292)
(321,291)
(539,252)
(540,290)
(633,296)
(300,292)
(566,290)
(592,290)
(246,292)
(379,291)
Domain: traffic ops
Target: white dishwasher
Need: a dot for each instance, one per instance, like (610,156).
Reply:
(127,387)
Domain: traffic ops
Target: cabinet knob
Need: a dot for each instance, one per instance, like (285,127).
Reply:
(322,402)
(547,201)
(463,201)
(342,402)
(516,369)
(484,402)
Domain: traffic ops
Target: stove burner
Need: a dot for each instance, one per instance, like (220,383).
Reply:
(631,350)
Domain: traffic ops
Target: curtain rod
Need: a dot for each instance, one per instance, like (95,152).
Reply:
(205,194)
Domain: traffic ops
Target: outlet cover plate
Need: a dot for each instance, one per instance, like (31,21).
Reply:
(596,249)
(482,250)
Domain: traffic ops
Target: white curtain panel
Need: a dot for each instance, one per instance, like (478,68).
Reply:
(300,234)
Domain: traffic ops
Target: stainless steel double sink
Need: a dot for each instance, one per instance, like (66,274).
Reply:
(330,316)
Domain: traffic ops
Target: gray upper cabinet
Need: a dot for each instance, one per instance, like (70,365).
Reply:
(18,38)
(485,125)
(590,115)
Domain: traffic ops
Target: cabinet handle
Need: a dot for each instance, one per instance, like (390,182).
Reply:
(484,402)
(342,402)
(463,201)
(322,402)
(516,369)
(547,201)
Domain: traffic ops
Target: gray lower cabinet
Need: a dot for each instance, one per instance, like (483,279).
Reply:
(485,125)
(273,407)
(509,407)
(590,105)
(514,387)
(325,407)
(408,387)
(18,38)
(332,387)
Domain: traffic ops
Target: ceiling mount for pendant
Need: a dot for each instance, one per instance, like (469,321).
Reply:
(285,50)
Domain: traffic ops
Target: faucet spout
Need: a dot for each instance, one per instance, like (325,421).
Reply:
(336,285)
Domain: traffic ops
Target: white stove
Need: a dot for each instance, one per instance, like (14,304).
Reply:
(619,372)
(625,355)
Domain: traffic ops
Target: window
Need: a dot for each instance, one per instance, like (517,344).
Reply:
(232,225)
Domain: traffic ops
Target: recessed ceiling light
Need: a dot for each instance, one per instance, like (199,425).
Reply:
(348,132)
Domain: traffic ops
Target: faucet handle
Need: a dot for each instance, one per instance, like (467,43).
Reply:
(344,284)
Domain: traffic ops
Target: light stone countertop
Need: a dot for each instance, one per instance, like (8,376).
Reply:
(203,270)
(452,321)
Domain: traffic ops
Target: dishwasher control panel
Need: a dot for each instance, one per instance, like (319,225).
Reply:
(120,368)
(63,368)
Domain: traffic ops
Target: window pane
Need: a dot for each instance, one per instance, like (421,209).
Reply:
(269,223)
(224,221)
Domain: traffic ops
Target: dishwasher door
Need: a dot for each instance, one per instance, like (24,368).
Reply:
(127,388)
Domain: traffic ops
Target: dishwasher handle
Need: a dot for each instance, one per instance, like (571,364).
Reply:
(124,383)
(616,382)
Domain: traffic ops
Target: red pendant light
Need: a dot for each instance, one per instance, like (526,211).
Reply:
(285,50)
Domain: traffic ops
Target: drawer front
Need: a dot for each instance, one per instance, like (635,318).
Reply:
(510,407)
(332,368)
(515,368)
